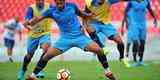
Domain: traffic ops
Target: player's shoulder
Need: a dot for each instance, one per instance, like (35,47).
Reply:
(52,8)
(70,4)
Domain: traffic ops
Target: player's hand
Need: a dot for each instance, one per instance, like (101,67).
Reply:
(155,23)
(26,23)
(90,16)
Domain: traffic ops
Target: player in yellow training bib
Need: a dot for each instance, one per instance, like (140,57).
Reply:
(101,22)
(38,35)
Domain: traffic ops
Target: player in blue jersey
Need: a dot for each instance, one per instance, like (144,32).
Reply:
(135,18)
(11,28)
(37,36)
(71,35)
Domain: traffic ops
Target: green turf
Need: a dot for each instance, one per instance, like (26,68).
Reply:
(86,70)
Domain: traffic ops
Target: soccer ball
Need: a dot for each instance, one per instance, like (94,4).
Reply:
(63,74)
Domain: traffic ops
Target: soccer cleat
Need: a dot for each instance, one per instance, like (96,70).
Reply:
(40,75)
(106,50)
(125,62)
(142,63)
(31,77)
(10,59)
(110,76)
(20,75)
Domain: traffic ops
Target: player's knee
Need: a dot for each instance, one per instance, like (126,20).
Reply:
(47,57)
(117,39)
(45,47)
(135,46)
(28,58)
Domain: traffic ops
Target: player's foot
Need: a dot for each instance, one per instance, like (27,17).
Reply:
(31,77)
(125,61)
(141,63)
(106,50)
(135,64)
(110,76)
(10,59)
(40,75)
(20,75)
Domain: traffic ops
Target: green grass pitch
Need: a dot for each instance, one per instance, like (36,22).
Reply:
(87,70)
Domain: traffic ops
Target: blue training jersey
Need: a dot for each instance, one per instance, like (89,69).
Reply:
(66,19)
(136,11)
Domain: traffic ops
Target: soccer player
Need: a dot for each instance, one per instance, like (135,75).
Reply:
(135,18)
(11,27)
(101,22)
(39,35)
(65,15)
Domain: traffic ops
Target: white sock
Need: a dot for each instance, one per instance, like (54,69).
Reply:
(33,75)
(107,71)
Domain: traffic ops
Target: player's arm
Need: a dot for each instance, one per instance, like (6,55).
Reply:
(45,14)
(28,17)
(35,20)
(125,20)
(152,14)
(83,14)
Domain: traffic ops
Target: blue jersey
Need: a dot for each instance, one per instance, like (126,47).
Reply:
(66,19)
(136,11)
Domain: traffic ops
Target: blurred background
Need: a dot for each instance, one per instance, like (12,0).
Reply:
(11,8)
(76,56)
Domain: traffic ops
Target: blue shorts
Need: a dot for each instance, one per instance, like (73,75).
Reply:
(33,43)
(9,43)
(63,43)
(136,32)
(107,29)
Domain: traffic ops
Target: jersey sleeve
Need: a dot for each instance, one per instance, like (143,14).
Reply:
(76,9)
(29,14)
(113,1)
(48,13)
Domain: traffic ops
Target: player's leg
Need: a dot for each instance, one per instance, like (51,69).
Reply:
(127,49)
(112,34)
(93,33)
(133,37)
(44,42)
(32,45)
(143,35)
(94,47)
(120,44)
(58,48)
(141,51)
(51,52)
(9,44)
(135,50)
